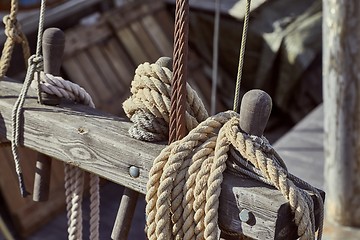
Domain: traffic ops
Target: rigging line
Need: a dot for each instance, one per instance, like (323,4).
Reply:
(215,65)
(177,125)
(241,56)
(35,63)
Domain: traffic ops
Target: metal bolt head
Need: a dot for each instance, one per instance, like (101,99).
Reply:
(244,216)
(134,171)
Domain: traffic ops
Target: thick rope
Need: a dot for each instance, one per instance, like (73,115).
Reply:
(184,182)
(173,177)
(149,105)
(177,128)
(74,185)
(241,57)
(14,35)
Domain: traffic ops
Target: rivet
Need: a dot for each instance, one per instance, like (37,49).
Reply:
(134,171)
(244,216)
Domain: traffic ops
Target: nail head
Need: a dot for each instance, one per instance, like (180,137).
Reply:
(134,171)
(244,216)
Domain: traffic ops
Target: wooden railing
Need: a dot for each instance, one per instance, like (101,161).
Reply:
(99,143)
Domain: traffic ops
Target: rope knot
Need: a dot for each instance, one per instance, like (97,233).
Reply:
(261,143)
(12,29)
(149,105)
(37,62)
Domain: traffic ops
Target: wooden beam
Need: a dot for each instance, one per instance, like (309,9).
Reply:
(98,142)
(341,69)
(95,141)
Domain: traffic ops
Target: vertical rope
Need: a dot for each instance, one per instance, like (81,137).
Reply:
(241,57)
(75,196)
(35,65)
(177,128)
(94,207)
(215,57)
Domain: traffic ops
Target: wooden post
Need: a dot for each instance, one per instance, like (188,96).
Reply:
(341,89)
(125,215)
(53,48)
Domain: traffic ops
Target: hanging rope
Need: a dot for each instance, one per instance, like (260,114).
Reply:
(241,57)
(74,185)
(178,95)
(14,35)
(35,65)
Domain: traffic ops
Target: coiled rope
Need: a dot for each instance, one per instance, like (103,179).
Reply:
(14,35)
(185,180)
(149,105)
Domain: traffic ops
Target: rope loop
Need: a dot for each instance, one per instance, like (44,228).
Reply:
(13,29)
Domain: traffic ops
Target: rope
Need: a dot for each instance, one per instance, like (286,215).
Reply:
(35,65)
(178,96)
(184,181)
(149,105)
(14,35)
(241,57)
(215,57)
(74,184)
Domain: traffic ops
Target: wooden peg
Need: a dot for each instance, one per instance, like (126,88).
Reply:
(53,44)
(255,111)
(53,48)
(125,215)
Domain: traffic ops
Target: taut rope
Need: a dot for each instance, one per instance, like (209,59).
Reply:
(241,57)
(178,95)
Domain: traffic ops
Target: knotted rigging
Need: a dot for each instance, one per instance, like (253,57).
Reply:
(14,35)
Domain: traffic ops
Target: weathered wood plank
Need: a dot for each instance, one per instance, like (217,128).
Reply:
(92,140)
(99,143)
